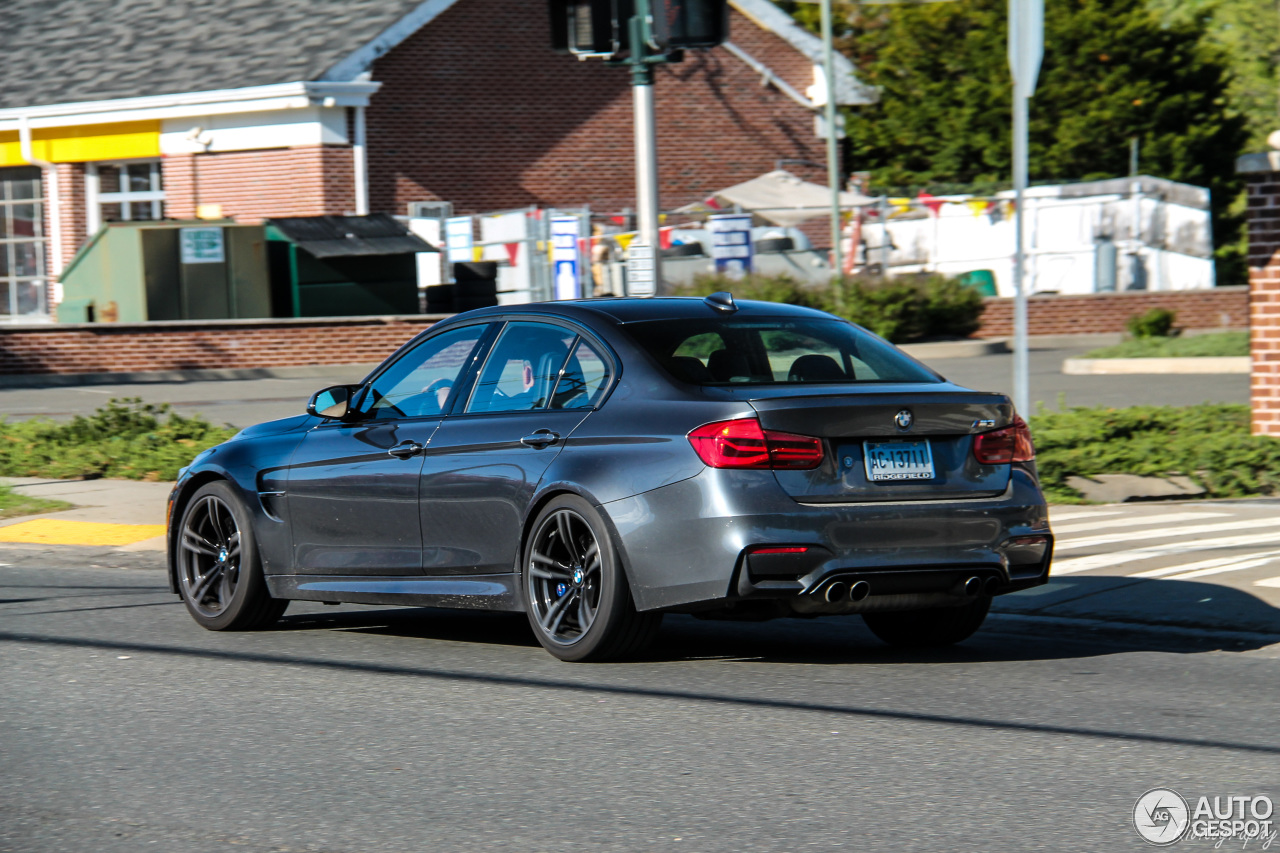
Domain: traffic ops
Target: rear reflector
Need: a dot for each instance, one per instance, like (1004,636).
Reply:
(796,549)
(1008,444)
(743,444)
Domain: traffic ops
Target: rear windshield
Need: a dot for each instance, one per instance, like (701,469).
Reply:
(757,351)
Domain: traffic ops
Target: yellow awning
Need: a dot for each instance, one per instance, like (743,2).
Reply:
(94,142)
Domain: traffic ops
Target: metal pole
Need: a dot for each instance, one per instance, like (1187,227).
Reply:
(833,154)
(647,206)
(1021,364)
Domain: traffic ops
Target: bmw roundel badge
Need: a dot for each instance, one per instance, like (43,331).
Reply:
(904,419)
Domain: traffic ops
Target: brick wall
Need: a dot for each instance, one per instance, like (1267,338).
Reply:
(514,124)
(1219,308)
(254,185)
(222,345)
(1264,294)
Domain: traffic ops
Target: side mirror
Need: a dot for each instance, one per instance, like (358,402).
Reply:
(333,402)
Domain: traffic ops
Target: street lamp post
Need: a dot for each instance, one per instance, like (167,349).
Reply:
(1026,49)
(833,153)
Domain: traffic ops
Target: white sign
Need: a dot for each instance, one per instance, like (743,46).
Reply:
(458,240)
(731,243)
(201,246)
(564,257)
(1026,44)
(640,273)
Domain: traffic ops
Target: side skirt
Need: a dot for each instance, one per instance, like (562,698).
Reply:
(468,592)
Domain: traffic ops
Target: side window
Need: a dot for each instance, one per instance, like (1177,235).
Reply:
(522,370)
(419,383)
(583,380)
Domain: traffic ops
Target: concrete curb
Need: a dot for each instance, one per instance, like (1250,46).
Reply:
(1117,366)
(956,349)
(348,372)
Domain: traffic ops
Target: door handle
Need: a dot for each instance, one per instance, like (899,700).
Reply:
(539,439)
(405,450)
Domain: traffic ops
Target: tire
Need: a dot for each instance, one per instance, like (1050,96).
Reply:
(684,250)
(577,598)
(770,245)
(219,572)
(929,629)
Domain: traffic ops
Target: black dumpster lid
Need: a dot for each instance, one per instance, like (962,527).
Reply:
(339,236)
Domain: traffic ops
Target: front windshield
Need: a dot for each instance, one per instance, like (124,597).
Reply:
(763,351)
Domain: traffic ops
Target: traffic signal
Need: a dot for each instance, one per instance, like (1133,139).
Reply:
(590,27)
(676,24)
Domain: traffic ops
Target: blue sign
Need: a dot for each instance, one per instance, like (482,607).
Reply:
(565,260)
(731,243)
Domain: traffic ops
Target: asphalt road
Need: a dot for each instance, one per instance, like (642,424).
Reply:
(248,401)
(125,727)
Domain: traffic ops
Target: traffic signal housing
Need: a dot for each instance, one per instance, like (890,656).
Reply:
(590,27)
(679,24)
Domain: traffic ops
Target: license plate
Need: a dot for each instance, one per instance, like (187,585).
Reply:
(898,460)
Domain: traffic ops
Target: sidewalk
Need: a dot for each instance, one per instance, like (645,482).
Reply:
(128,516)
(125,514)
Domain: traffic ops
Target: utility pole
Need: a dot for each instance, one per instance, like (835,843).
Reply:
(833,152)
(644,266)
(1026,50)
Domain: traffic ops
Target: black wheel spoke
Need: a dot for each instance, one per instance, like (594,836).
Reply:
(586,613)
(233,546)
(551,621)
(548,569)
(193,541)
(564,527)
(591,561)
(202,585)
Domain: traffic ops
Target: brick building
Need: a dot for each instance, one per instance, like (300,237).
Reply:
(248,109)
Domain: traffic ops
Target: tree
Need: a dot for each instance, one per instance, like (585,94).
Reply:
(1112,71)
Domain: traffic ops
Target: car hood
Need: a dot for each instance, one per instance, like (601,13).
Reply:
(290,424)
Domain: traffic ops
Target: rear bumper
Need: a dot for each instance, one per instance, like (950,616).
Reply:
(688,545)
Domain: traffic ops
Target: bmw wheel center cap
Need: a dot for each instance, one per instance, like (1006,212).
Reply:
(578,576)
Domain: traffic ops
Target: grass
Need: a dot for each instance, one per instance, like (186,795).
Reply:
(125,439)
(1199,346)
(1209,443)
(13,504)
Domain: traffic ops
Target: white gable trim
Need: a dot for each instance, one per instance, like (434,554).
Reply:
(849,90)
(359,62)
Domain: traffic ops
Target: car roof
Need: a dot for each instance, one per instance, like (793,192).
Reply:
(634,309)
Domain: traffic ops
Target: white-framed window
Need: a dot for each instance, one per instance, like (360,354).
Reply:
(22,243)
(127,191)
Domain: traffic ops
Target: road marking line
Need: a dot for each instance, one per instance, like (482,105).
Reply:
(1271,582)
(1068,515)
(1169,518)
(1195,529)
(1233,567)
(1119,558)
(49,531)
(1204,564)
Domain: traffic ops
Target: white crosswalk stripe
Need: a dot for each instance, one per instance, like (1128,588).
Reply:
(1058,514)
(1071,544)
(1274,583)
(1073,565)
(1139,521)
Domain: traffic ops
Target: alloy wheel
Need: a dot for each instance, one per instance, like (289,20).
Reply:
(209,556)
(564,577)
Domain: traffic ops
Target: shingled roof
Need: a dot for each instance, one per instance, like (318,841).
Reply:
(67,51)
(71,51)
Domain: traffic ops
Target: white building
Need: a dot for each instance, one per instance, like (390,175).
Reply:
(1080,238)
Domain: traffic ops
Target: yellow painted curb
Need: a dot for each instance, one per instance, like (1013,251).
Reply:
(49,531)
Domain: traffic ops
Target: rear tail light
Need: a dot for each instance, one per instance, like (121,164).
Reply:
(743,444)
(1008,444)
(769,550)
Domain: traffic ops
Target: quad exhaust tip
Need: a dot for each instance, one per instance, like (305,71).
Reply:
(836,592)
(990,585)
(973,586)
(859,591)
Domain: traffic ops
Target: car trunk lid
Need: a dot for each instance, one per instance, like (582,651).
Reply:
(930,458)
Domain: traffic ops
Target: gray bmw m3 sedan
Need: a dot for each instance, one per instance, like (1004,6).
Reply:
(598,463)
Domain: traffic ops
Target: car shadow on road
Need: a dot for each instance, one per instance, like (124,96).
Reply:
(1077,617)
